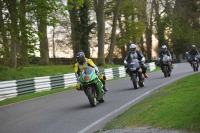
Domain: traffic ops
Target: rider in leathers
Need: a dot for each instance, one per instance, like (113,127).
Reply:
(79,66)
(135,54)
(165,51)
(193,52)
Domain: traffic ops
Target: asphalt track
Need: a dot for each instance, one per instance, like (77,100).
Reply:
(70,111)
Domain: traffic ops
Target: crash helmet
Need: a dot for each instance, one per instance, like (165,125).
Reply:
(193,47)
(164,48)
(80,57)
(132,48)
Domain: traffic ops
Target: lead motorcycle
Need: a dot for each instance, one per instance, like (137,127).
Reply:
(136,75)
(92,86)
(194,64)
(164,64)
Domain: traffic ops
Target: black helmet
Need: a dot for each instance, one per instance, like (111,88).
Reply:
(132,48)
(164,48)
(80,57)
(193,47)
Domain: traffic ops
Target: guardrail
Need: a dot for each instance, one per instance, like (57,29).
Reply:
(13,88)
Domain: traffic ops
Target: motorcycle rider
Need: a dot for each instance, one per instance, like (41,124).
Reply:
(133,53)
(79,66)
(193,52)
(164,50)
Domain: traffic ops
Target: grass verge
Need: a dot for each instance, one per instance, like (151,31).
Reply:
(7,73)
(176,106)
(39,94)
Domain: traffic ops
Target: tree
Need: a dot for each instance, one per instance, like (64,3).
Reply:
(85,27)
(113,34)
(23,48)
(185,23)
(3,34)
(12,8)
(99,9)
(75,33)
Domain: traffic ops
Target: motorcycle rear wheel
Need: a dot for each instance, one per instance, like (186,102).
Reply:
(141,84)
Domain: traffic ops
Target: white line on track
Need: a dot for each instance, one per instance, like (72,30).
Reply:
(127,104)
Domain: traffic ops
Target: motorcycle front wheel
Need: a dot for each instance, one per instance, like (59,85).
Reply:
(195,67)
(164,69)
(134,80)
(91,97)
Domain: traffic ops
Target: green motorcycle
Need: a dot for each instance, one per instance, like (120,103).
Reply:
(92,86)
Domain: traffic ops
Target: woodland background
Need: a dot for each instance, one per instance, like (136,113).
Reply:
(44,28)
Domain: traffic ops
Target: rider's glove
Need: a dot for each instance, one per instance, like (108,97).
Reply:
(142,62)
(98,73)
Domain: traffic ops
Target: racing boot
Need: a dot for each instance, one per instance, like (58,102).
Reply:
(145,75)
(105,89)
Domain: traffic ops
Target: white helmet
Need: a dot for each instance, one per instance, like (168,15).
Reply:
(164,48)
(132,48)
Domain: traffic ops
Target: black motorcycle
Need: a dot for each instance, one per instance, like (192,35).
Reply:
(194,64)
(164,64)
(135,72)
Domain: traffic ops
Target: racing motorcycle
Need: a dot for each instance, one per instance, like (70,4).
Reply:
(165,65)
(194,64)
(92,86)
(136,75)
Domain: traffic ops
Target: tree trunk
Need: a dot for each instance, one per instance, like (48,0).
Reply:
(11,5)
(3,32)
(24,36)
(101,32)
(85,28)
(42,32)
(53,43)
(113,34)
(75,34)
(148,34)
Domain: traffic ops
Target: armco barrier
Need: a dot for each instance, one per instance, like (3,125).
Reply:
(13,88)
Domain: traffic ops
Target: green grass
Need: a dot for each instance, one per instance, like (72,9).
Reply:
(176,106)
(50,70)
(7,73)
(37,71)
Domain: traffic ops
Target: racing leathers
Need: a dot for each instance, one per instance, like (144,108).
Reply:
(136,55)
(193,53)
(161,58)
(79,67)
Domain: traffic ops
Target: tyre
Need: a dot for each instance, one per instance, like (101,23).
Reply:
(169,74)
(194,67)
(141,84)
(134,80)
(165,71)
(91,97)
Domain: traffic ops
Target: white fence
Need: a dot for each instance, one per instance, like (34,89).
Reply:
(9,89)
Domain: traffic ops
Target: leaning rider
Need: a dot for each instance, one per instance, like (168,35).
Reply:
(164,50)
(193,52)
(135,54)
(79,66)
